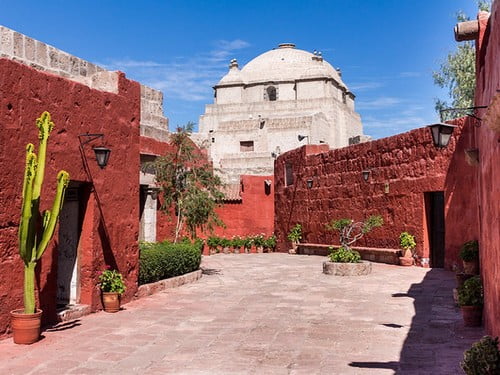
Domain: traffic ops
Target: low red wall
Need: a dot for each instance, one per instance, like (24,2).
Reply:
(110,209)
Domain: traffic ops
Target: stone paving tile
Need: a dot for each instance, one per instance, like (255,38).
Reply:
(265,314)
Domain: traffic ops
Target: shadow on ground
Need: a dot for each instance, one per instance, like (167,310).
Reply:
(210,271)
(437,337)
(63,326)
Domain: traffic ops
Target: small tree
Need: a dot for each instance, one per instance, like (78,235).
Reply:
(351,231)
(188,184)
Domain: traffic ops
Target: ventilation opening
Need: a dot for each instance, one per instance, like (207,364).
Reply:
(246,146)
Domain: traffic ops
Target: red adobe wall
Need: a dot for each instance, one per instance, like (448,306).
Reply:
(254,214)
(110,210)
(407,164)
(488,142)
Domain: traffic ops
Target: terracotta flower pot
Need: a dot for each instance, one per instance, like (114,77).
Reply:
(25,327)
(111,301)
(471,268)
(405,261)
(472,315)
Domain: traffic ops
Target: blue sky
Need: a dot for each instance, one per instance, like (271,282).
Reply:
(386,49)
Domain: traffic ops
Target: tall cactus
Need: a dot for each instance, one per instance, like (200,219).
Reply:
(33,235)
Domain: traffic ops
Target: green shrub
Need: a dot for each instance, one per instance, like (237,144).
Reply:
(295,234)
(407,241)
(470,251)
(248,242)
(471,293)
(112,281)
(213,242)
(258,241)
(161,260)
(224,242)
(237,242)
(343,255)
(270,242)
(483,358)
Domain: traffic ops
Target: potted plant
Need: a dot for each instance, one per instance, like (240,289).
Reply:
(247,244)
(469,253)
(33,236)
(225,243)
(295,235)
(258,241)
(470,299)
(112,287)
(236,244)
(270,243)
(212,243)
(482,358)
(408,244)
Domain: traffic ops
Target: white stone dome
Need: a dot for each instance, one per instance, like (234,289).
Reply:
(285,63)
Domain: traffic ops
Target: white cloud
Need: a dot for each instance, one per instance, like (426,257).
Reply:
(378,103)
(189,79)
(364,86)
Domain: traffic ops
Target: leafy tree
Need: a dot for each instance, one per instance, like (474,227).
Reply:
(457,73)
(188,183)
(350,231)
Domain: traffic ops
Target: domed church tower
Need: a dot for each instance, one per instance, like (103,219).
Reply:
(279,101)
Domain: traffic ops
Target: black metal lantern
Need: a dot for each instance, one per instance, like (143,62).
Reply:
(309,183)
(441,134)
(102,156)
(101,152)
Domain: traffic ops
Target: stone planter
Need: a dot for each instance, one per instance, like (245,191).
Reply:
(347,269)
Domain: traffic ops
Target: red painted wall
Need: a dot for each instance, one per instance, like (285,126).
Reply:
(403,168)
(487,172)
(111,208)
(254,214)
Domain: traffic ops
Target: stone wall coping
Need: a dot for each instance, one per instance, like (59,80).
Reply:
(172,282)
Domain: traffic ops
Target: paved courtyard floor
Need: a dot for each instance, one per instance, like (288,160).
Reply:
(265,314)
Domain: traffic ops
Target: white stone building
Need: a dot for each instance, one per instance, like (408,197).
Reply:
(261,110)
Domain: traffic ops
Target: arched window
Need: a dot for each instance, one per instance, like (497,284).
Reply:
(271,93)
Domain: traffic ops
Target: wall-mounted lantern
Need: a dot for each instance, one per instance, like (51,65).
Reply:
(441,134)
(309,183)
(153,192)
(101,153)
(366,174)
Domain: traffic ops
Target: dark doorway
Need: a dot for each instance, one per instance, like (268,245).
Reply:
(434,202)
(70,229)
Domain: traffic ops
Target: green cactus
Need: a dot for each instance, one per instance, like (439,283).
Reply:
(33,238)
